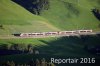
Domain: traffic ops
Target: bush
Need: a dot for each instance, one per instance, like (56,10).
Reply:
(1,26)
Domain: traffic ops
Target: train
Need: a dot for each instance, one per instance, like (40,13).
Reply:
(53,33)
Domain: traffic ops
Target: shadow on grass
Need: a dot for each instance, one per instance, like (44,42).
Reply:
(96,13)
(59,48)
(70,46)
(63,46)
(33,6)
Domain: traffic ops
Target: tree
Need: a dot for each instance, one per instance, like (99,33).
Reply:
(31,63)
(8,63)
(4,46)
(29,46)
(15,47)
(30,49)
(37,62)
(36,52)
(12,63)
(43,62)
(1,26)
(52,64)
(38,6)
(34,6)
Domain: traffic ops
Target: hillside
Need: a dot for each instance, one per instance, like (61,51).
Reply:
(15,18)
(72,14)
(61,15)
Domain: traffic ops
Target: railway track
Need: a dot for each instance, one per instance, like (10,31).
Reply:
(47,36)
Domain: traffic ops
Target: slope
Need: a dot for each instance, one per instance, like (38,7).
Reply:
(15,18)
(72,14)
(62,14)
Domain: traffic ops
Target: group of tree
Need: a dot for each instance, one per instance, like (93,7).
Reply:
(22,48)
(39,5)
(96,12)
(34,6)
(37,62)
(29,48)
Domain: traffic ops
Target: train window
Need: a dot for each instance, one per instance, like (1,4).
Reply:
(82,31)
(48,33)
(88,31)
(62,32)
(24,34)
(69,32)
(33,34)
(74,32)
(39,34)
(54,33)
(29,34)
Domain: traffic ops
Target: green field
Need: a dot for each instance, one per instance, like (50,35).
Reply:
(15,18)
(62,15)
(72,15)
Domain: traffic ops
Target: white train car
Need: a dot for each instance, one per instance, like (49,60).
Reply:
(84,31)
(66,32)
(51,33)
(40,34)
(24,35)
(31,34)
(62,33)
(70,32)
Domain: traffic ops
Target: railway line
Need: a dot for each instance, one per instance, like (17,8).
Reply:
(55,34)
(51,34)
